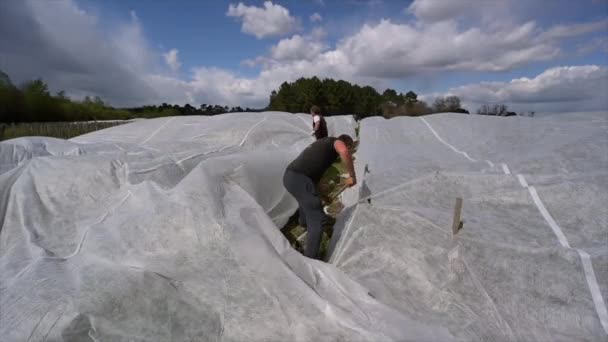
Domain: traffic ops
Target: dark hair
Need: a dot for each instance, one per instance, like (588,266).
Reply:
(315,109)
(345,138)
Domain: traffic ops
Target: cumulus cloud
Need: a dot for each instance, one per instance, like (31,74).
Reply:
(171,59)
(73,54)
(405,50)
(559,89)
(296,48)
(270,20)
(316,17)
(395,50)
(293,49)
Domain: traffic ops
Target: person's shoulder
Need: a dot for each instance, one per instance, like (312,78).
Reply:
(326,141)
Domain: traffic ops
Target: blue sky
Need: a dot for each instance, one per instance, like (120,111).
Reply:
(134,52)
(204,35)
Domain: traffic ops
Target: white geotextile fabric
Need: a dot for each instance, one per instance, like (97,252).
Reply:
(531,262)
(167,230)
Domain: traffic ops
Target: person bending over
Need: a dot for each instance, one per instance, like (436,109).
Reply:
(302,176)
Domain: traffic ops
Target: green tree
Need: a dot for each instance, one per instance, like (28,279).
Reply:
(39,104)
(368,102)
(12,104)
(283,98)
(390,95)
(411,97)
(335,97)
(5,80)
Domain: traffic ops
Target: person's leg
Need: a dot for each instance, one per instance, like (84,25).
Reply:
(305,192)
(301,217)
(295,186)
(315,218)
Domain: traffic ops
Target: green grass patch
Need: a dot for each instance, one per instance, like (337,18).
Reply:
(62,130)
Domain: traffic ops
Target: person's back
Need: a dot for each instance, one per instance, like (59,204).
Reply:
(315,159)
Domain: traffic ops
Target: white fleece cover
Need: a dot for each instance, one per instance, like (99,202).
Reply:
(531,261)
(168,230)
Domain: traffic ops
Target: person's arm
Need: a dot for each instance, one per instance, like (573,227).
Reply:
(347,161)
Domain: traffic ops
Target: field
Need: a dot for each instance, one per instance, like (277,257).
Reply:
(63,130)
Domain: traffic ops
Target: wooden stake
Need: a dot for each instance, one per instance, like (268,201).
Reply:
(457,223)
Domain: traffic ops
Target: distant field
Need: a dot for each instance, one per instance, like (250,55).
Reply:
(63,130)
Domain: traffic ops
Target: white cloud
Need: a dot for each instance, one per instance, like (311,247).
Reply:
(393,50)
(296,48)
(437,10)
(598,43)
(62,44)
(559,89)
(315,17)
(130,45)
(172,60)
(440,10)
(271,20)
(134,16)
(567,31)
(293,49)
(398,50)
(72,54)
(318,33)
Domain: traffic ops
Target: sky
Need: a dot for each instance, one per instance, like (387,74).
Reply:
(533,55)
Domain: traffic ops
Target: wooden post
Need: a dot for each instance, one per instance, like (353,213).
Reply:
(457,223)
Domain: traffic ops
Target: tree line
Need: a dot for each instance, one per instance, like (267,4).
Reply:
(32,102)
(338,97)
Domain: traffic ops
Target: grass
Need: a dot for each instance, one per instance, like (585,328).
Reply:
(62,130)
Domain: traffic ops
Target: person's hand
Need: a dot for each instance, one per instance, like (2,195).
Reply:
(350,181)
